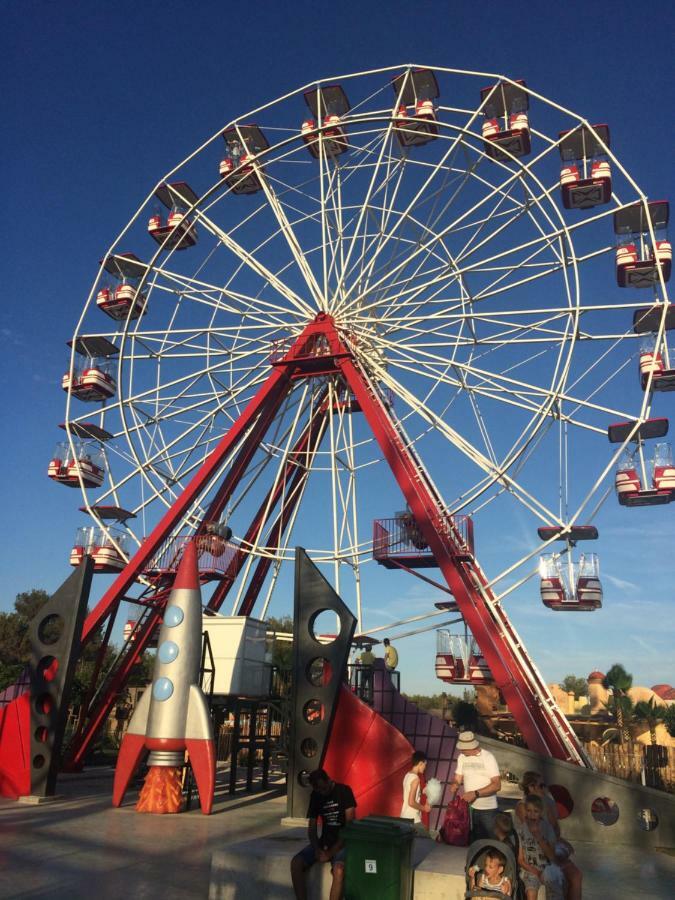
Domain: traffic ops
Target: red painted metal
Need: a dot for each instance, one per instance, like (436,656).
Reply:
(257,416)
(273,541)
(543,726)
(356,756)
(15,748)
(298,464)
(271,394)
(319,351)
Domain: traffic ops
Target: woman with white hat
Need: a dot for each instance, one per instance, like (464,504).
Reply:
(478,774)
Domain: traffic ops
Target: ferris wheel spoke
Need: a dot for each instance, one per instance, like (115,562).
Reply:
(256,266)
(498,474)
(448,228)
(444,161)
(292,243)
(507,390)
(382,154)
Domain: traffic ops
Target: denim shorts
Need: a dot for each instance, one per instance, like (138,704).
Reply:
(530,880)
(308,856)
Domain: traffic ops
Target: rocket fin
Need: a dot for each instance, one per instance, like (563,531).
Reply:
(132,746)
(201,747)
(202,755)
(131,750)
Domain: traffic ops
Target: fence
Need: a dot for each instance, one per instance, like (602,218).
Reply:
(629,761)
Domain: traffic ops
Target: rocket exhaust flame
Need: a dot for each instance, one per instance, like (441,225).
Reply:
(161,791)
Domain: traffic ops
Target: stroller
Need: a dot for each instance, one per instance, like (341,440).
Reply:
(475,856)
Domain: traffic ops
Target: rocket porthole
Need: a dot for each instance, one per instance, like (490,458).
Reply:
(167,652)
(173,616)
(162,689)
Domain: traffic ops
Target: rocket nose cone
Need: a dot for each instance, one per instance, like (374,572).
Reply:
(187,575)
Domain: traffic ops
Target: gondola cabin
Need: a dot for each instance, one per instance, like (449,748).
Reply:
(324,130)
(566,586)
(119,296)
(83,464)
(398,542)
(459,660)
(177,232)
(415,120)
(656,357)
(640,480)
(585,176)
(132,628)
(215,553)
(240,168)
(506,127)
(641,260)
(107,550)
(90,380)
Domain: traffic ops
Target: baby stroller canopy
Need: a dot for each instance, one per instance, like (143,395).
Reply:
(475,856)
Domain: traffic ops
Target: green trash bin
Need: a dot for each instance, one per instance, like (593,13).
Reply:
(379,865)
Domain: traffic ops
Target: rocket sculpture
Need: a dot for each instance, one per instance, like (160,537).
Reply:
(172,716)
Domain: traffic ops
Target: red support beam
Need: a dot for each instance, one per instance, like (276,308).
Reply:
(73,757)
(319,351)
(543,726)
(266,402)
(304,447)
(276,533)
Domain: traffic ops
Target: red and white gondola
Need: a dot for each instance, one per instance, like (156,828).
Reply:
(83,464)
(415,121)
(108,550)
(641,260)
(506,127)
(123,300)
(586,175)
(178,232)
(324,129)
(241,167)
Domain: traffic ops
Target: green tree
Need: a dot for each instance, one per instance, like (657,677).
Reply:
(619,682)
(651,714)
(14,643)
(465,715)
(282,651)
(28,603)
(669,719)
(579,686)
(433,701)
(15,646)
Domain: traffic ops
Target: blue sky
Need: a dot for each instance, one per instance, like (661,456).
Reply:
(100,99)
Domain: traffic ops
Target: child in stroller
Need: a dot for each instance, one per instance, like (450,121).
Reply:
(491,870)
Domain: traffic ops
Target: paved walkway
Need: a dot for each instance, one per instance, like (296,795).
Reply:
(80,847)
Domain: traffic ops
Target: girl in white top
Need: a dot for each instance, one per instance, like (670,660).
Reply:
(412,807)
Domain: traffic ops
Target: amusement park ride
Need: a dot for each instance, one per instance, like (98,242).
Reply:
(412,273)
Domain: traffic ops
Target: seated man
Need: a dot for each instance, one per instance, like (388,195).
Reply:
(335,804)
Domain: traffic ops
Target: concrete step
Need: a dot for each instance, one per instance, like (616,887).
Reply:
(261,869)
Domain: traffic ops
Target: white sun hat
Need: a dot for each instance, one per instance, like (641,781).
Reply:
(467,741)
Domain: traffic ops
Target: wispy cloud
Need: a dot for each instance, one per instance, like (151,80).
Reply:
(621,583)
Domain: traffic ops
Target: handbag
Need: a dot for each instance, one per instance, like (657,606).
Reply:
(456,825)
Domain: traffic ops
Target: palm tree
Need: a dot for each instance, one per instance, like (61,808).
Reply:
(650,713)
(619,681)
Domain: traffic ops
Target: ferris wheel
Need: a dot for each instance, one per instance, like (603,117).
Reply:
(430,272)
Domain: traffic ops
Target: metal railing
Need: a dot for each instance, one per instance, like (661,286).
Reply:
(214,555)
(402,536)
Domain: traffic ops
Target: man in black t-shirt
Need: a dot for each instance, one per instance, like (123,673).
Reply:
(335,805)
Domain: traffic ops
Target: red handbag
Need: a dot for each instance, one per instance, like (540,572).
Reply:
(457,824)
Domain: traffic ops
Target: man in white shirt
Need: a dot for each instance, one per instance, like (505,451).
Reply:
(478,774)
